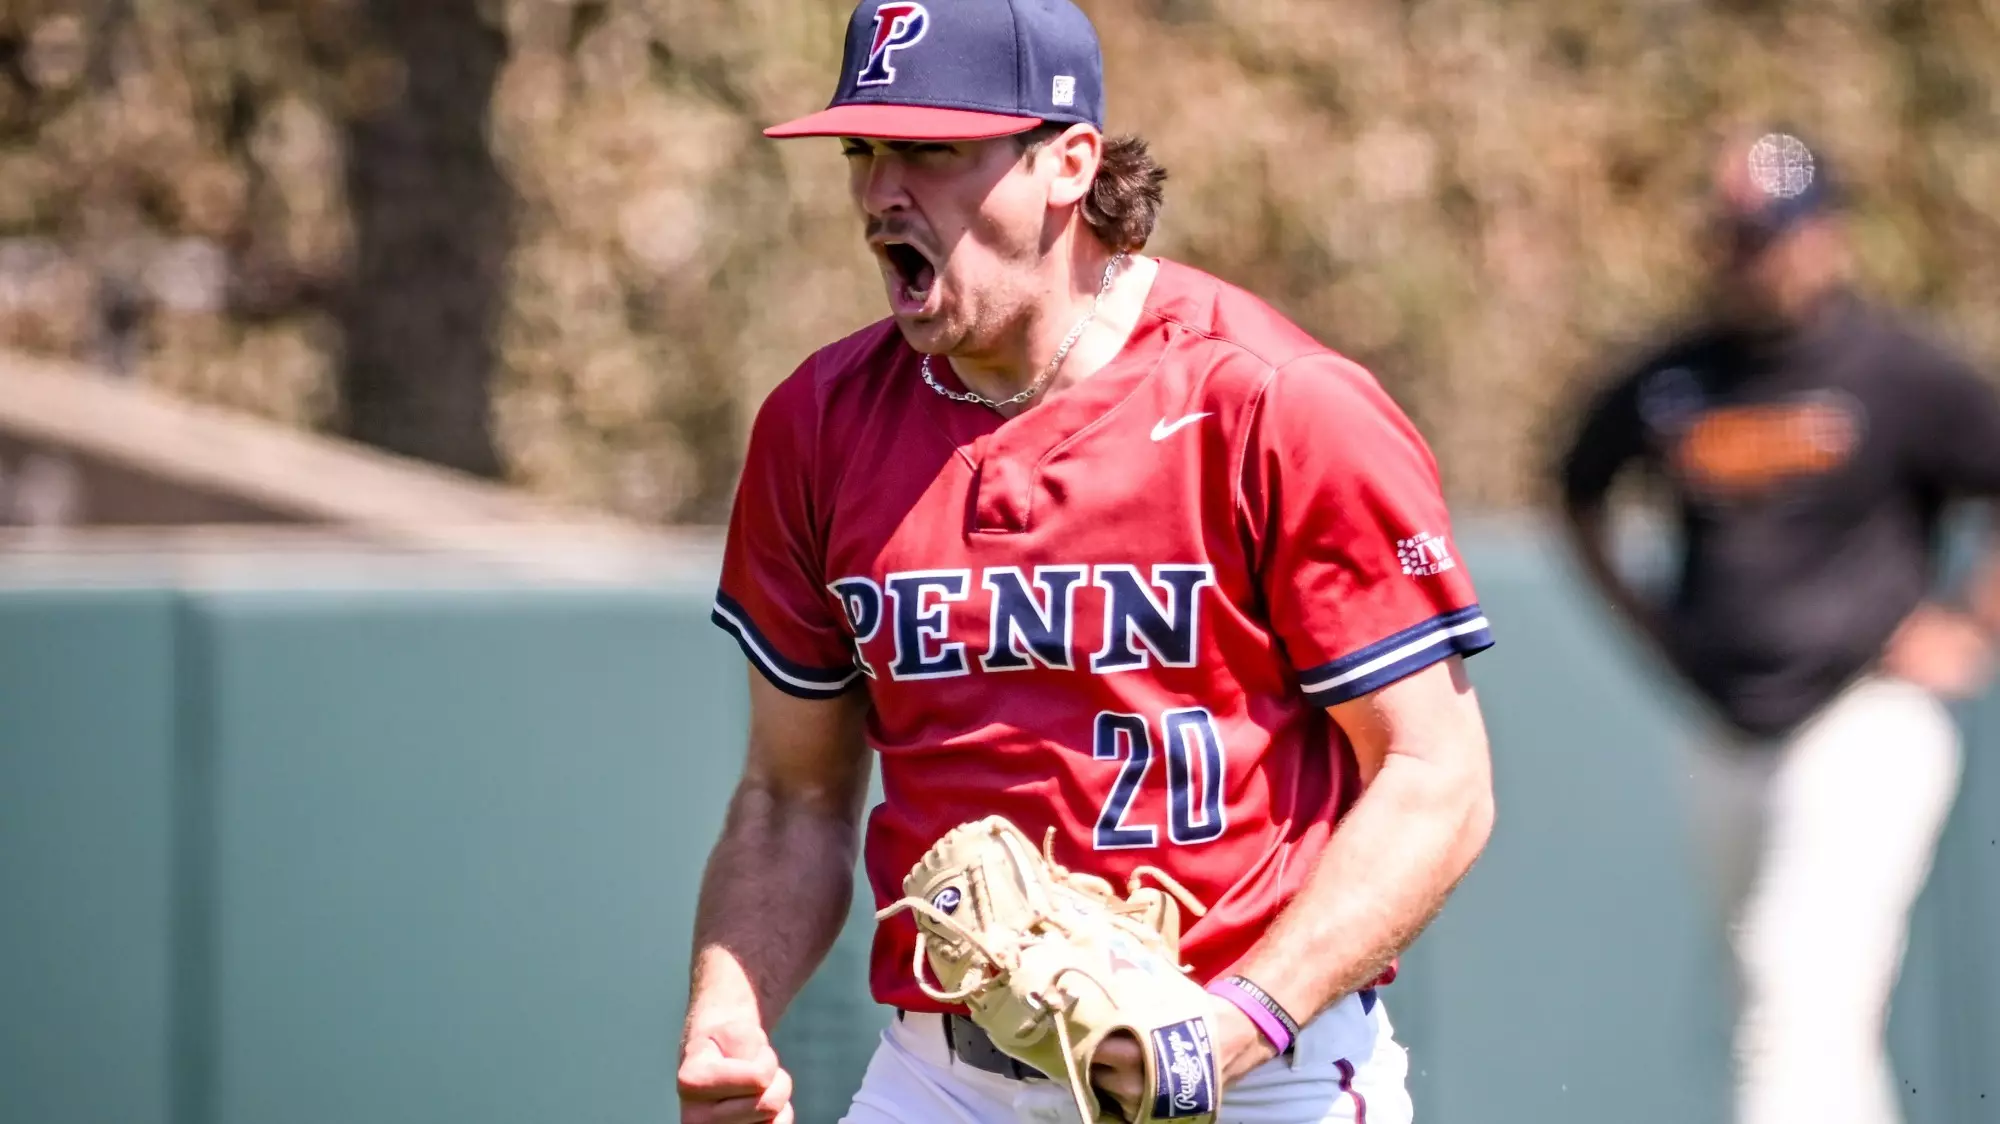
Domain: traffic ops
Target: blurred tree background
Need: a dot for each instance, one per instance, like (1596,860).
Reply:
(543,240)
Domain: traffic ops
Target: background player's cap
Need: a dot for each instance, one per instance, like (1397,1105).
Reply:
(1783,182)
(961,70)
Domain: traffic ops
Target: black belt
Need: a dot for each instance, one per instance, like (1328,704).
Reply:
(975,1048)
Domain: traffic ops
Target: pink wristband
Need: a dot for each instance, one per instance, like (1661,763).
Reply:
(1273,1030)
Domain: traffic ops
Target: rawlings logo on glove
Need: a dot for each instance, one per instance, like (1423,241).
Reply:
(1186,1087)
(1050,962)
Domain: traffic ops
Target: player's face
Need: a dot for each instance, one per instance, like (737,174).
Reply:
(958,229)
(1763,278)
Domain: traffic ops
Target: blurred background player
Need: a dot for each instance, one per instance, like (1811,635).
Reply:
(1810,443)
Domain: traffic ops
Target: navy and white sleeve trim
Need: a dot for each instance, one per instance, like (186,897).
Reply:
(1461,632)
(791,678)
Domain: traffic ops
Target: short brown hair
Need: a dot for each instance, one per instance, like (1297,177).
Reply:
(1124,200)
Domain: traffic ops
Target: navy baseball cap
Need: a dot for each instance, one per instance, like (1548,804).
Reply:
(961,70)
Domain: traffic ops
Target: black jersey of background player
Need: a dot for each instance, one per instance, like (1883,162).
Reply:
(1809,469)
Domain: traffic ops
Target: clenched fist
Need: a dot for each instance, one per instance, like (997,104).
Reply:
(730,1075)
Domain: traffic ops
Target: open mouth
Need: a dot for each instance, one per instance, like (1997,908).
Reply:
(915,275)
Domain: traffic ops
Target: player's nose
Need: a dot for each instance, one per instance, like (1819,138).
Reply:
(878,185)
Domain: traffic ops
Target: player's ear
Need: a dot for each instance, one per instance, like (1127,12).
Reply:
(1076,154)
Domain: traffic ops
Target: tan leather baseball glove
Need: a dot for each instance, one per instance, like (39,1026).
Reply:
(1050,962)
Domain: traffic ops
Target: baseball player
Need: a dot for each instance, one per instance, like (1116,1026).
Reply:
(1100,544)
(1808,442)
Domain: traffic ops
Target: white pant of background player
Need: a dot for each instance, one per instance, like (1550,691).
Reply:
(1347,1067)
(1822,843)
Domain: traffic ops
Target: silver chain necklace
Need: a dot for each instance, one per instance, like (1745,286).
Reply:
(1110,269)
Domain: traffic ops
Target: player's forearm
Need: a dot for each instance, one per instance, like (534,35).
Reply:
(773,899)
(1387,871)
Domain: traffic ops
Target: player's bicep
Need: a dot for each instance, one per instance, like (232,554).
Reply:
(1431,718)
(1956,443)
(807,753)
(1363,582)
(772,598)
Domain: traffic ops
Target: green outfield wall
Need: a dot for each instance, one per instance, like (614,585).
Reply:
(417,846)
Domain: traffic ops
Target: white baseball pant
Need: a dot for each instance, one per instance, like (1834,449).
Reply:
(1347,1067)
(1821,843)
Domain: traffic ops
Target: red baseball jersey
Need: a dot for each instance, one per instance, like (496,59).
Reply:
(1120,614)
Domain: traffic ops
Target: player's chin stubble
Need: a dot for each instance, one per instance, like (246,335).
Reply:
(944,332)
(931,336)
(965,325)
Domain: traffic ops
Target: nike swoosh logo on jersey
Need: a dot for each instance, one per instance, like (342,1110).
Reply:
(1164,429)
